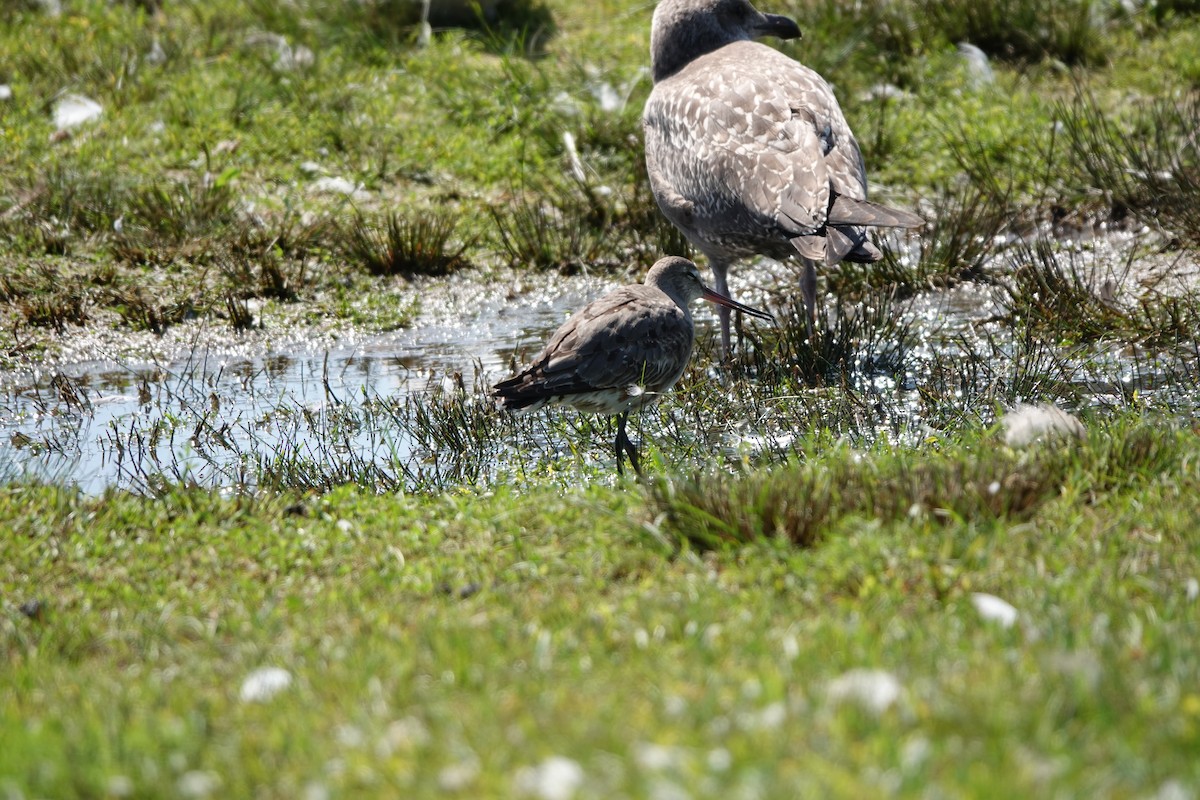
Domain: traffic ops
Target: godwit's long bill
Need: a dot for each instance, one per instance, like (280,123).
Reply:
(748,151)
(619,352)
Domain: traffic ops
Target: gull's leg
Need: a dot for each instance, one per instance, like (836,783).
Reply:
(808,290)
(720,271)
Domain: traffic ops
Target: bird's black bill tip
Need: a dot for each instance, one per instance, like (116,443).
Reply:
(722,300)
(778,26)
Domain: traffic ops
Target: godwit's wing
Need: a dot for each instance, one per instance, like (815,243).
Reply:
(629,342)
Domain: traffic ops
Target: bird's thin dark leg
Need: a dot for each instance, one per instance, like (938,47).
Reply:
(720,271)
(808,289)
(624,446)
(617,446)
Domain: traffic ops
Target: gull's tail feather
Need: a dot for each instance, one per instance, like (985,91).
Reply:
(847,211)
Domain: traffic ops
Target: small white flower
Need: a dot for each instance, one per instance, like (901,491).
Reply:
(264,683)
(556,778)
(657,757)
(1193,589)
(458,777)
(873,689)
(993,609)
(197,783)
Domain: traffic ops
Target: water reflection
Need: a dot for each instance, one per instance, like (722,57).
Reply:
(99,424)
(400,407)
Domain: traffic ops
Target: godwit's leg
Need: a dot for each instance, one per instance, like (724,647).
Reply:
(808,290)
(624,446)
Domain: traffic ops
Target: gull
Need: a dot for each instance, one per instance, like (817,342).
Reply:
(747,150)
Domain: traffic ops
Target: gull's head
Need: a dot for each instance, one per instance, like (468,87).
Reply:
(684,30)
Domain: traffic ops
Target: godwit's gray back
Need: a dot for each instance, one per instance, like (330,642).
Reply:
(747,150)
(619,352)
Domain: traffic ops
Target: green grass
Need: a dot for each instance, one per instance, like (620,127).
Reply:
(211,145)
(817,510)
(457,639)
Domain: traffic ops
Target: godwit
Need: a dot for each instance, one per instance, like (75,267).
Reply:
(621,351)
(748,151)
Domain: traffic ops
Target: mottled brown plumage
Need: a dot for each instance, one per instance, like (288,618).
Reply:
(619,352)
(748,151)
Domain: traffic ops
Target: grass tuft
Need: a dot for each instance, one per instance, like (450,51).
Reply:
(799,503)
(1148,167)
(853,340)
(421,244)
(953,247)
(177,218)
(559,228)
(1069,31)
(1057,294)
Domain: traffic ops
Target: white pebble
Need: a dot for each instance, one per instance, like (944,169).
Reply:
(332,185)
(75,110)
(1027,424)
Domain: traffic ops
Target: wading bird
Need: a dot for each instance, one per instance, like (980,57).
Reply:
(619,352)
(747,150)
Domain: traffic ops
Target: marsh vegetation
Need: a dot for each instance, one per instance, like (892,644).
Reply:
(260,261)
